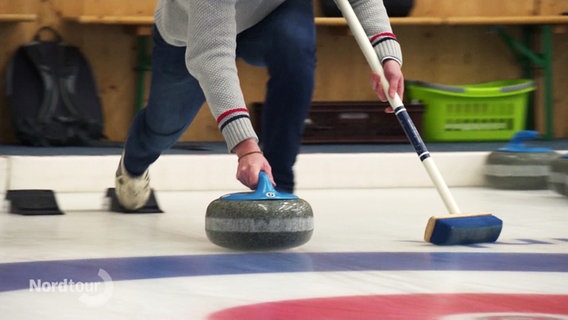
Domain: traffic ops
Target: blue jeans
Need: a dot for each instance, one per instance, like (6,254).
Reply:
(284,43)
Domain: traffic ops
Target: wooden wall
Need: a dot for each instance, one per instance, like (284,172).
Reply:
(464,8)
(443,54)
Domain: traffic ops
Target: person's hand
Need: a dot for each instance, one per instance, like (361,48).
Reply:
(250,162)
(395,78)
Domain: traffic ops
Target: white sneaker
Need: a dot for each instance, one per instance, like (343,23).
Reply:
(131,192)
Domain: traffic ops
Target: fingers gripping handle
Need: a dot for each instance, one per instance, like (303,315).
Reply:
(397,105)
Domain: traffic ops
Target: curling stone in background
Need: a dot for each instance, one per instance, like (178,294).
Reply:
(518,167)
(558,176)
(261,220)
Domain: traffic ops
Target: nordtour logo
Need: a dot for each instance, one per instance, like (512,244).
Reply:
(91,293)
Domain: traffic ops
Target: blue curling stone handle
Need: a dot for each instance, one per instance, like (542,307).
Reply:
(516,144)
(264,191)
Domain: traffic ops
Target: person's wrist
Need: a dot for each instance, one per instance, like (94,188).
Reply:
(246,154)
(247,147)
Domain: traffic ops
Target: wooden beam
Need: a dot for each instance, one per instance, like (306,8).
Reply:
(17,17)
(115,20)
(507,20)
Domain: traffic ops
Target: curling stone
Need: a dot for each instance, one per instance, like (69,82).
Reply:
(558,176)
(261,220)
(518,167)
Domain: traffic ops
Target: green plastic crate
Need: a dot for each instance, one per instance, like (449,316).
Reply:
(477,112)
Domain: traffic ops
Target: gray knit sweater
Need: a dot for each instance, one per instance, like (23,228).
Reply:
(208,29)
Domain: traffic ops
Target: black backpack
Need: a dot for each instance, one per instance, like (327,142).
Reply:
(52,94)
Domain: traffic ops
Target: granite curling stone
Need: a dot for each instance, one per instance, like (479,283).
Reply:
(518,167)
(261,220)
(558,176)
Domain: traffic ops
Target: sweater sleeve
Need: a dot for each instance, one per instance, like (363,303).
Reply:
(375,21)
(210,57)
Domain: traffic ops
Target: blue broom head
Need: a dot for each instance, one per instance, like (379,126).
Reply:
(463,229)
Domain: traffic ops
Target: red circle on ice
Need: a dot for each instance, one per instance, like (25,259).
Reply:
(474,306)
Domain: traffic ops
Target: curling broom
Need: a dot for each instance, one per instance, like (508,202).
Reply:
(457,228)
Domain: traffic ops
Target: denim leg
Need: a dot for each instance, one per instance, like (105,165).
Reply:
(285,43)
(174,99)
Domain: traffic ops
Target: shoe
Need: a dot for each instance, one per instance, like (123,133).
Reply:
(132,192)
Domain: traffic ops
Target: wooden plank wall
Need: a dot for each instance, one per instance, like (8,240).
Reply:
(464,8)
(448,54)
(560,66)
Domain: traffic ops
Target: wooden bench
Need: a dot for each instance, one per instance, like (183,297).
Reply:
(523,49)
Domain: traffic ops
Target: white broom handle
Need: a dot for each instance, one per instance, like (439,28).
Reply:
(397,104)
